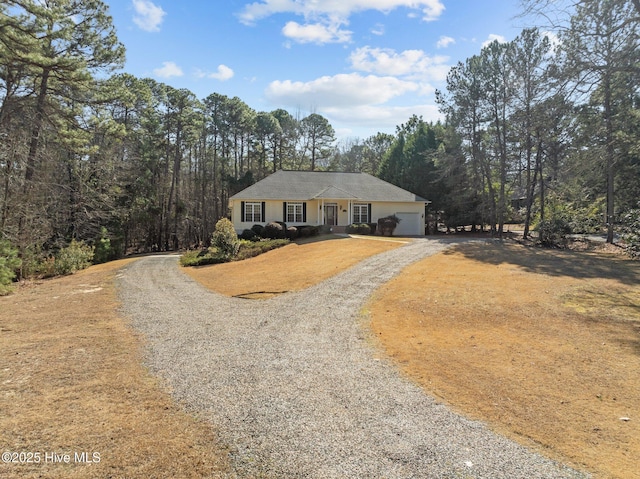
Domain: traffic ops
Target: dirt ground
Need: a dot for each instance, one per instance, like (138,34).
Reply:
(71,382)
(542,345)
(290,268)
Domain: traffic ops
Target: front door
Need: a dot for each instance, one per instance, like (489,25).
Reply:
(331,214)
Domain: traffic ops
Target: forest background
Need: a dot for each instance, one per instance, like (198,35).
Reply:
(543,130)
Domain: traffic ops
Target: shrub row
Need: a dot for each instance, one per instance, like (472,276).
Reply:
(9,263)
(631,232)
(249,249)
(278,230)
(360,229)
(201,258)
(227,246)
(70,259)
(246,249)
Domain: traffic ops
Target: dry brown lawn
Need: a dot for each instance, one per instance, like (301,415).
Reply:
(542,345)
(71,381)
(290,268)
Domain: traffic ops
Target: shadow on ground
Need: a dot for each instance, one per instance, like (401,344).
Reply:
(553,262)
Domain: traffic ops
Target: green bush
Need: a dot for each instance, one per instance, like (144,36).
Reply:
(9,263)
(359,229)
(246,249)
(553,232)
(292,232)
(275,230)
(249,235)
(73,258)
(364,228)
(249,249)
(225,238)
(200,258)
(258,230)
(631,232)
(305,231)
(103,249)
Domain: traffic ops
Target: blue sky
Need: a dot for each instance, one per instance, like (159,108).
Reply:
(366,65)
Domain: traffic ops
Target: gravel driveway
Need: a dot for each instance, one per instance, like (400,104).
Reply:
(296,388)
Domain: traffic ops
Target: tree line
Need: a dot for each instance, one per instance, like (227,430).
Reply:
(536,130)
(87,152)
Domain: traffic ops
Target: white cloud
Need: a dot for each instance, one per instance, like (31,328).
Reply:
(378,29)
(431,9)
(445,41)
(339,91)
(223,73)
(148,16)
(168,70)
(316,33)
(382,118)
(331,14)
(414,64)
(492,38)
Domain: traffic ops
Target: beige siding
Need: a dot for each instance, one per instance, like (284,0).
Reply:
(273,212)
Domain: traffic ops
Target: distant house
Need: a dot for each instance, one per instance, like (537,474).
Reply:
(326,198)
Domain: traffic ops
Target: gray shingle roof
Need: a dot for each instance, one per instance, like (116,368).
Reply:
(309,185)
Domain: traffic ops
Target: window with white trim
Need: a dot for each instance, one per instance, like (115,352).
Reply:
(253,212)
(360,213)
(295,213)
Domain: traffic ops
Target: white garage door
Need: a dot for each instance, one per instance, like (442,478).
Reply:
(410,224)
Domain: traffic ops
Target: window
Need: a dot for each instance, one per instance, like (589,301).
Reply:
(253,212)
(360,213)
(295,213)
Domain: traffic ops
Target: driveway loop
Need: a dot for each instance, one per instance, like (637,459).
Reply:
(297,389)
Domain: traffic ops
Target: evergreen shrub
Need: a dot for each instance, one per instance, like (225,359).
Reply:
(249,235)
(258,230)
(553,232)
(225,239)
(103,250)
(200,258)
(249,249)
(275,230)
(292,232)
(631,232)
(74,257)
(9,263)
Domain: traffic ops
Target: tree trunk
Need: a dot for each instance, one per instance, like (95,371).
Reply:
(610,160)
(36,129)
(531,188)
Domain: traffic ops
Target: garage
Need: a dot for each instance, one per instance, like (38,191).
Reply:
(411,224)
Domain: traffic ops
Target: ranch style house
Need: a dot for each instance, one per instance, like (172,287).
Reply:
(326,198)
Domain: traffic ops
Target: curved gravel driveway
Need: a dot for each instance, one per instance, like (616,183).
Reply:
(296,389)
